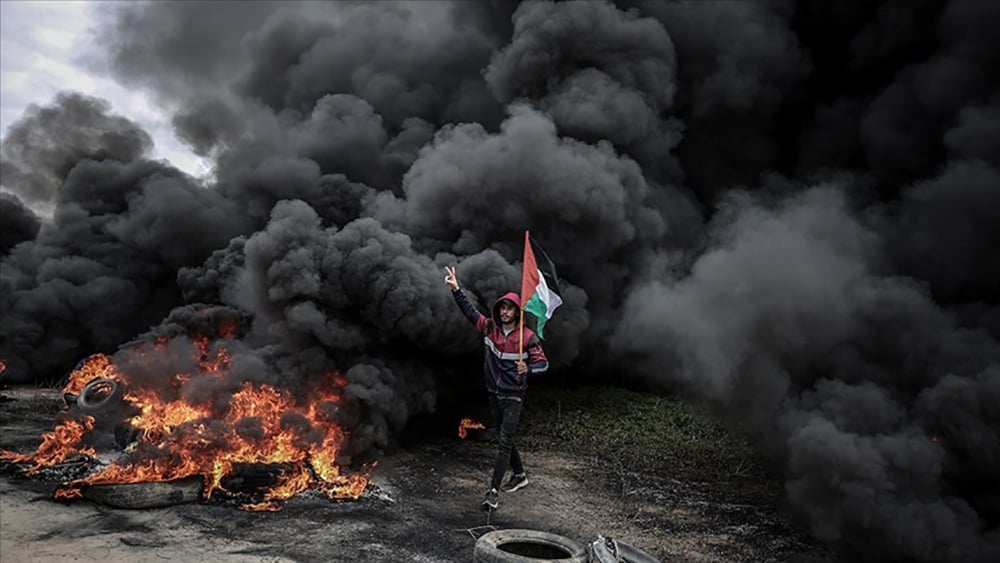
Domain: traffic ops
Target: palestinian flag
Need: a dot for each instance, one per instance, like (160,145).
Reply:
(539,284)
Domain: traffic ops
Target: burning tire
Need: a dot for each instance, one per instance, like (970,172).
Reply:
(125,434)
(99,394)
(145,495)
(527,546)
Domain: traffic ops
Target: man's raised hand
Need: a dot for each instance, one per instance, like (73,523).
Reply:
(451,279)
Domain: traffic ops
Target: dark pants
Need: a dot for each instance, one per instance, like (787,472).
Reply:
(506,413)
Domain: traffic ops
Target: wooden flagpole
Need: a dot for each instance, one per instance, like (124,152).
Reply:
(520,344)
(520,338)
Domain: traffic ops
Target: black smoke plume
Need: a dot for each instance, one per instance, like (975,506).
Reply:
(20,223)
(786,209)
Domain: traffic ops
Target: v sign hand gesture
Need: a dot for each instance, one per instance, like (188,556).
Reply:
(450,279)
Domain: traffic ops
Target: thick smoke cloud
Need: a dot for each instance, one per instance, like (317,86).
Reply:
(19,223)
(769,279)
(407,61)
(738,66)
(599,72)
(786,209)
(946,232)
(789,322)
(42,147)
(523,176)
(103,269)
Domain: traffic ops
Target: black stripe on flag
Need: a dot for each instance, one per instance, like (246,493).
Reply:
(546,266)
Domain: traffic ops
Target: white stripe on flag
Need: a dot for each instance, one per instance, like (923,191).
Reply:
(551,299)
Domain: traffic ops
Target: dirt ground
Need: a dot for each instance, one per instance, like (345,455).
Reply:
(422,505)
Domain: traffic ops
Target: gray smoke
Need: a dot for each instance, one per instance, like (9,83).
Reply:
(406,61)
(789,321)
(785,209)
(103,268)
(40,149)
(600,73)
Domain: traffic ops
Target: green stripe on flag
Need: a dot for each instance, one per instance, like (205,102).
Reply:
(537,307)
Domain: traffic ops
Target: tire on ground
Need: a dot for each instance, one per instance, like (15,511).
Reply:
(527,546)
(155,494)
(100,394)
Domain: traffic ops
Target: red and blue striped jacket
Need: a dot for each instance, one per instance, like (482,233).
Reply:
(502,348)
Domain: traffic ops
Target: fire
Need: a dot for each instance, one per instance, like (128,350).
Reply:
(466,424)
(97,366)
(3,366)
(57,445)
(180,436)
(68,494)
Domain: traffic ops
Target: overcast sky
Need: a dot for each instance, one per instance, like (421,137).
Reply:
(47,46)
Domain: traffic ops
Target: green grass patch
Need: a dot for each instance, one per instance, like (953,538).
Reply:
(644,432)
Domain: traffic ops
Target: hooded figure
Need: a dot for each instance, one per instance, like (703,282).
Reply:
(507,365)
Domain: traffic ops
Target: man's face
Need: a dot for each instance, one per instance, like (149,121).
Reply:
(508,312)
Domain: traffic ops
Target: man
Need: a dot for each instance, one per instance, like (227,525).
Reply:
(506,378)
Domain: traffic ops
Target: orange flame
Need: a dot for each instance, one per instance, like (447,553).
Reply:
(68,494)
(57,445)
(97,366)
(185,432)
(468,424)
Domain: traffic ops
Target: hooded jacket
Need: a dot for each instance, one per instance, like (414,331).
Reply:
(502,348)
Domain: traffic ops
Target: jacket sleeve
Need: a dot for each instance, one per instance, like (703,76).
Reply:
(481,322)
(537,362)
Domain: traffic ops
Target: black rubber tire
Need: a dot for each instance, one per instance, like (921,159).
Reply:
(89,401)
(155,494)
(489,547)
